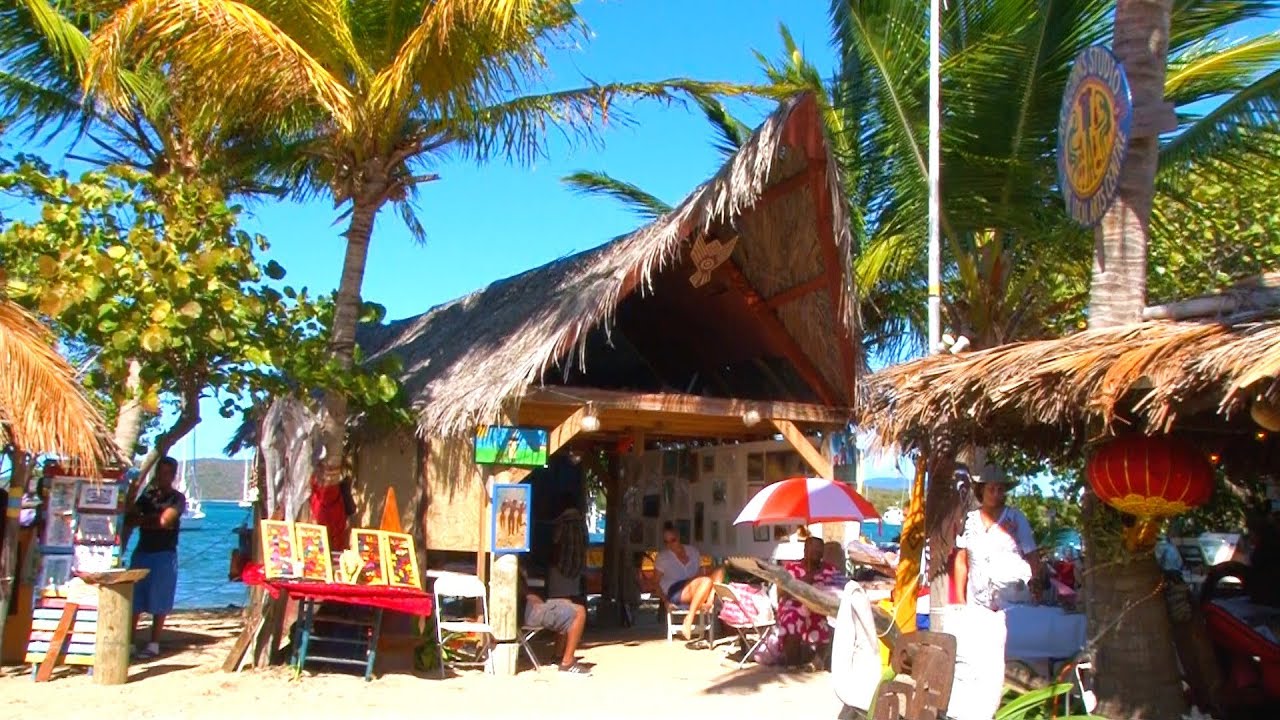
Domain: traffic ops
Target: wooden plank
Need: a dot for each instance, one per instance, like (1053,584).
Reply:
(684,404)
(59,638)
(566,431)
(821,466)
(795,292)
(773,328)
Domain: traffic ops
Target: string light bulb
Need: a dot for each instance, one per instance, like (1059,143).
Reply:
(751,417)
(590,421)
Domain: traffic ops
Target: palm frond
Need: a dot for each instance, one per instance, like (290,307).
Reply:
(42,407)
(638,201)
(1247,122)
(1211,68)
(203,42)
(730,131)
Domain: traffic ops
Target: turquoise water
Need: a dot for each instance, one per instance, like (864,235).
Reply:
(204,556)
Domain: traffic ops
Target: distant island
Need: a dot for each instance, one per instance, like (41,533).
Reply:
(218,478)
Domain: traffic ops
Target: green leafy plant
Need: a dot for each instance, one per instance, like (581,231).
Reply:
(1036,704)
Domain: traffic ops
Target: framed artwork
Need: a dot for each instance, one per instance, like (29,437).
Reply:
(59,531)
(517,446)
(719,491)
(682,527)
(511,513)
(96,558)
(708,463)
(312,544)
(99,496)
(670,462)
(402,561)
(279,553)
(55,571)
(651,506)
(698,522)
(98,529)
(760,533)
(755,467)
(668,492)
(62,495)
(373,565)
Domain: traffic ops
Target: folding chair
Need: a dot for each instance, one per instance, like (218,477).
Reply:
(702,622)
(458,586)
(527,634)
(762,623)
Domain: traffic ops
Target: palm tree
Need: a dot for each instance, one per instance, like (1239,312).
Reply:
(44,47)
(388,87)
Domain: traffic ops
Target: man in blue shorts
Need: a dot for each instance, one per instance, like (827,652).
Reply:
(157,514)
(559,615)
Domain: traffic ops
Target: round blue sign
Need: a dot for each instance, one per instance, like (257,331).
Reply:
(1093,134)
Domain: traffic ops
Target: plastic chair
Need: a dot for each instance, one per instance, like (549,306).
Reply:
(462,587)
(763,624)
(702,622)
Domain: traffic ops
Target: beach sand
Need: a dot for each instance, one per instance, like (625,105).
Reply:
(637,673)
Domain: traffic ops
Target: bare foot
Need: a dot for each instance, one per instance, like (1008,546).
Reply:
(686,629)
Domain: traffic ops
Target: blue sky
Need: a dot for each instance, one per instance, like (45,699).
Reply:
(486,223)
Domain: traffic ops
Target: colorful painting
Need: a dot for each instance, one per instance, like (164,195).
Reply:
(516,446)
(373,564)
(98,529)
(279,553)
(402,561)
(99,496)
(62,495)
(511,512)
(760,533)
(312,543)
(55,571)
(59,531)
(719,491)
(1094,126)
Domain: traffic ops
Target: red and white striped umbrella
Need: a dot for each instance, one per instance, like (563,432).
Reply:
(806,500)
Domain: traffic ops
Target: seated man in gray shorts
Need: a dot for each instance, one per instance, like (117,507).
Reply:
(560,616)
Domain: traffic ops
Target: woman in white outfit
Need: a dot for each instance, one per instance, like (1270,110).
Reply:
(997,552)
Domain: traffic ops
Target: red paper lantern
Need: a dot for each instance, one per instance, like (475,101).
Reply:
(1150,477)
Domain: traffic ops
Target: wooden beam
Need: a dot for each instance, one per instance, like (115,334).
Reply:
(776,331)
(811,454)
(796,292)
(687,404)
(566,431)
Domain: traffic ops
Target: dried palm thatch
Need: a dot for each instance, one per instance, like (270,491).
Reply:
(42,407)
(1149,376)
(466,361)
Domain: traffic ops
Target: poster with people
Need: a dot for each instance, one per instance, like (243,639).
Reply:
(512,512)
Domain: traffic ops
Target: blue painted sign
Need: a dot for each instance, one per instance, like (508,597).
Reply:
(1093,134)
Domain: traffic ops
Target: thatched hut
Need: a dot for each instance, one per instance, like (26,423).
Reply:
(1207,368)
(724,323)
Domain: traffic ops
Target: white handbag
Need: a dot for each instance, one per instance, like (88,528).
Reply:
(855,649)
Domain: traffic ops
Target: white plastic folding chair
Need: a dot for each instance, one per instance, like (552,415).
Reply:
(763,624)
(701,622)
(458,586)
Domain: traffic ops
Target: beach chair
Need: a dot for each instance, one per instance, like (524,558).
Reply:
(703,622)
(761,624)
(527,634)
(458,586)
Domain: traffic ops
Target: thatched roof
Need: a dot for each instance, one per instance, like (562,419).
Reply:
(1154,376)
(467,360)
(42,407)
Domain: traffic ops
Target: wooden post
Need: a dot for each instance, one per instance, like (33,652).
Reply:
(504,579)
(10,565)
(115,626)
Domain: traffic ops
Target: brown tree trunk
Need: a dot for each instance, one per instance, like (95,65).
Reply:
(1137,674)
(346,315)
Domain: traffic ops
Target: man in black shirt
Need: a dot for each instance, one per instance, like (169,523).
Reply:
(157,514)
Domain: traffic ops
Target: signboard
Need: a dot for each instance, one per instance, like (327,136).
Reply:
(517,446)
(1093,134)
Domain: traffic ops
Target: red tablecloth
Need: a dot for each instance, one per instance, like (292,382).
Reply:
(406,600)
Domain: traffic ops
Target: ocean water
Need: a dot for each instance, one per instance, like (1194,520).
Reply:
(204,556)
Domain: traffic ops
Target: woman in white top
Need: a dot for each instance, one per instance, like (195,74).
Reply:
(678,575)
(996,549)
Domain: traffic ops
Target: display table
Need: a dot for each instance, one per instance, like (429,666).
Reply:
(310,594)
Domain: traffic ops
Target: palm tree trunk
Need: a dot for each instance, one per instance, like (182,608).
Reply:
(1133,640)
(346,315)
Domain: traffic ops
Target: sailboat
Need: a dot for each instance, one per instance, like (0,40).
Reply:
(193,516)
(248,492)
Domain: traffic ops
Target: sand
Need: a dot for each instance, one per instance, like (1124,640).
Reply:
(636,674)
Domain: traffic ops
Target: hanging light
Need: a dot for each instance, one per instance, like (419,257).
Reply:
(751,417)
(590,421)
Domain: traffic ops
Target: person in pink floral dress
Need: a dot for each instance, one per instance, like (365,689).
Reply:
(802,633)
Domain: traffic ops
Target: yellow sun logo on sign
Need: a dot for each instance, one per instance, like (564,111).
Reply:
(1093,134)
